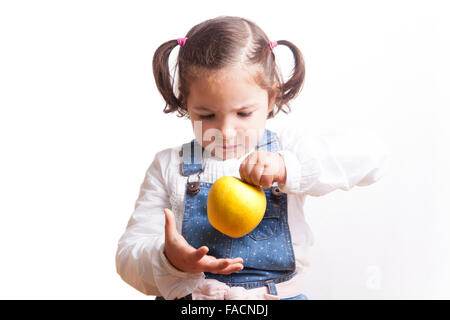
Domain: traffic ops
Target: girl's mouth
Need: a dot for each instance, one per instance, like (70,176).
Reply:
(229,147)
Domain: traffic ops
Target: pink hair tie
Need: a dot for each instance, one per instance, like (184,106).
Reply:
(182,41)
(272,44)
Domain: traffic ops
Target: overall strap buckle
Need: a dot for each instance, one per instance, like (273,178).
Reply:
(192,154)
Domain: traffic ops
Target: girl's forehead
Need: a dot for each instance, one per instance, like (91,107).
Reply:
(226,84)
(225,87)
(229,74)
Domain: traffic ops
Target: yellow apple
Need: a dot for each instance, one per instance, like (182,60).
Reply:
(234,207)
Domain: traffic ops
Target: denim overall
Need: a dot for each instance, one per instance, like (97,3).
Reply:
(267,250)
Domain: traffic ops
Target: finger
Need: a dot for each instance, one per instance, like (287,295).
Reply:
(256,174)
(222,266)
(242,168)
(225,262)
(258,168)
(247,166)
(212,264)
(236,260)
(266,179)
(250,174)
(231,268)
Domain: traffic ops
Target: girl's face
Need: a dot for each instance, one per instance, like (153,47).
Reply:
(228,111)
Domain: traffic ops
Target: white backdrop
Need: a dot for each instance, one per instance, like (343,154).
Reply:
(81,119)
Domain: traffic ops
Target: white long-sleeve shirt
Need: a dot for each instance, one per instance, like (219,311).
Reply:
(315,166)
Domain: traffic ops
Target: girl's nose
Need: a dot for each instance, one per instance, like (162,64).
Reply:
(228,133)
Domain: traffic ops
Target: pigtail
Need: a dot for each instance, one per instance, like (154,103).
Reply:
(164,81)
(291,88)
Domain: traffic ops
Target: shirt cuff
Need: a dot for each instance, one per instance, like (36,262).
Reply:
(174,271)
(293,172)
(173,283)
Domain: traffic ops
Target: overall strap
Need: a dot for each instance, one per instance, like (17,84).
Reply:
(192,153)
(269,142)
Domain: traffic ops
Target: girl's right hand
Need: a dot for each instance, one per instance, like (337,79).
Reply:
(188,259)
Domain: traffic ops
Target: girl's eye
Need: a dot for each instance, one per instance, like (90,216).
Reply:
(244,114)
(208,116)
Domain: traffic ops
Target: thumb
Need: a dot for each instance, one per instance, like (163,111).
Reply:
(200,252)
(170,226)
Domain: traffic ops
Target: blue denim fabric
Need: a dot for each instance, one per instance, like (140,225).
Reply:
(267,250)
(299,297)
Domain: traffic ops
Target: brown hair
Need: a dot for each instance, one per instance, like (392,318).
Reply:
(222,42)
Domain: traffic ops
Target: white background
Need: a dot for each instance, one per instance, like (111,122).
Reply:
(81,119)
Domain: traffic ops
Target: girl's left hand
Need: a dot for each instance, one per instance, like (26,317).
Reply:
(263,168)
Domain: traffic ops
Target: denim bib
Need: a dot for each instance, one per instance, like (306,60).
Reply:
(267,250)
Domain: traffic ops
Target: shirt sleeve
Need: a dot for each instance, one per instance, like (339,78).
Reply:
(140,258)
(319,163)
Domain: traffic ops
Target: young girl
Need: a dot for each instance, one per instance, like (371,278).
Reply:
(228,87)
